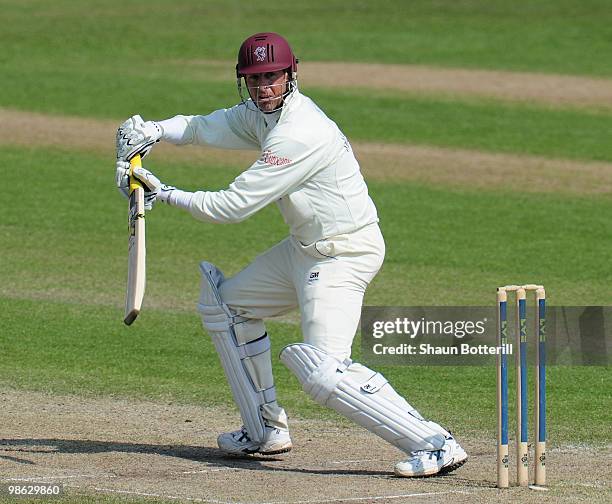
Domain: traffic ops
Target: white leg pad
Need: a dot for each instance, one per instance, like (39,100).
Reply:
(363,396)
(244,349)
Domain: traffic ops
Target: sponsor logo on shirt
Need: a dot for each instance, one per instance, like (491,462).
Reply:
(273,159)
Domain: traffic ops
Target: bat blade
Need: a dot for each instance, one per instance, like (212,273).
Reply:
(136,247)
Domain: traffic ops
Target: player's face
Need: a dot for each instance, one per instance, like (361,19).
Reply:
(266,89)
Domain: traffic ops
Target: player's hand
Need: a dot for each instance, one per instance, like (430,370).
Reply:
(136,136)
(153,187)
(122,178)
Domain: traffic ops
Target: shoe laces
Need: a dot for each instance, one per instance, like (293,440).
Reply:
(244,435)
(430,453)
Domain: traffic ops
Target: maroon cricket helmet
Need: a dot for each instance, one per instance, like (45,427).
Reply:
(265,52)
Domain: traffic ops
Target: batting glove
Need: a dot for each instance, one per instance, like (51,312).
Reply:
(122,178)
(152,186)
(154,189)
(136,136)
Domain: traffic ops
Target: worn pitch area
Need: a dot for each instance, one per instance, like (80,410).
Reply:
(121,448)
(418,163)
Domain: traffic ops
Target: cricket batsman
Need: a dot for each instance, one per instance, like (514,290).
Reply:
(334,249)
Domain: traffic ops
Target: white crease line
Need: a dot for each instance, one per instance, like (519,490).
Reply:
(330,462)
(586,485)
(162,496)
(51,478)
(355,461)
(369,498)
(215,469)
(339,499)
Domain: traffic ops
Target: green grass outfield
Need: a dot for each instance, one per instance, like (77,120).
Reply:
(63,253)
(557,36)
(63,273)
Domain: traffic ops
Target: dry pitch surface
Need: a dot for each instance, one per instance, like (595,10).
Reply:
(141,449)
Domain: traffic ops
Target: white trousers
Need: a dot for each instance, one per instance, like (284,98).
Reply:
(325,280)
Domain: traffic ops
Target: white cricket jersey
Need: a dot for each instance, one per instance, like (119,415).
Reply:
(306,166)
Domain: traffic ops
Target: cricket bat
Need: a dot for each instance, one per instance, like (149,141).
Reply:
(136,246)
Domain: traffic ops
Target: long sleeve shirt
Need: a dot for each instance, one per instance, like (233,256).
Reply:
(306,166)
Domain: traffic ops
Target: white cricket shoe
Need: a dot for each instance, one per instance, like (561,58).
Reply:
(238,442)
(427,463)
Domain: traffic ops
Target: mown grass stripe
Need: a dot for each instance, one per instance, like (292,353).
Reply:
(65,349)
(379,161)
(558,36)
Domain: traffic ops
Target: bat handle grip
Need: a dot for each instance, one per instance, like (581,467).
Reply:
(135,162)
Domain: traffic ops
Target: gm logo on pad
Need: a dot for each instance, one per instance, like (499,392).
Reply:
(313,276)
